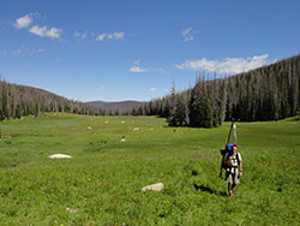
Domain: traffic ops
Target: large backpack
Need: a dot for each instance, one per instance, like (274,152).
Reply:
(228,146)
(228,149)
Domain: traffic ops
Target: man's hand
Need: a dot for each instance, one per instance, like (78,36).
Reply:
(241,174)
(230,157)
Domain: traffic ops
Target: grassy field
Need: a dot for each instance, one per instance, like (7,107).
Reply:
(101,184)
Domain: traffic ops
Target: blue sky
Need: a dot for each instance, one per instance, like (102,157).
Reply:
(119,50)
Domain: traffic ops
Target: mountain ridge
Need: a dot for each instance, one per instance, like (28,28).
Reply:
(114,105)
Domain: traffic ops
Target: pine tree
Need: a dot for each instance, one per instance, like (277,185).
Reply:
(172,118)
(4,113)
(194,109)
(180,115)
(206,116)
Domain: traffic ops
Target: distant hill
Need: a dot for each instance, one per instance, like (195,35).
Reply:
(18,100)
(110,106)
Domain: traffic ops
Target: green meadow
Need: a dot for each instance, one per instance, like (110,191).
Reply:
(101,184)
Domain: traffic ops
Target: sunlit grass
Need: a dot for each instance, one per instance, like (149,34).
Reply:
(103,180)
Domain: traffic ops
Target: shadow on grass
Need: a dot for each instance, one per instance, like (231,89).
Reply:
(209,190)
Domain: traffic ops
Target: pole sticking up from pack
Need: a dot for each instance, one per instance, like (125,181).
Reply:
(232,127)
(228,146)
(234,133)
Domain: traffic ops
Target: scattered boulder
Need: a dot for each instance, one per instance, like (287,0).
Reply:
(122,122)
(72,210)
(123,140)
(59,156)
(106,122)
(153,187)
(136,129)
(89,128)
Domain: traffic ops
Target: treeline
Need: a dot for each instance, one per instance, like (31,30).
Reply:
(17,101)
(268,93)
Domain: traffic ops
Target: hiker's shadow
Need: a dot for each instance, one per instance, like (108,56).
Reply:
(209,190)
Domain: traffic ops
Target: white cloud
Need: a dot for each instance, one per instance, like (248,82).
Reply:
(137,69)
(188,34)
(186,31)
(53,32)
(110,36)
(23,22)
(103,87)
(166,90)
(117,35)
(27,51)
(27,20)
(229,65)
(152,89)
(101,37)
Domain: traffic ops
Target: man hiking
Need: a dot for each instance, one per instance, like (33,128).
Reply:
(234,170)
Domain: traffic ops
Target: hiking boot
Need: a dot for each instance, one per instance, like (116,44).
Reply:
(230,195)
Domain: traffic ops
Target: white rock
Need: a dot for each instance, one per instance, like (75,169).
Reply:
(59,156)
(106,122)
(89,128)
(136,128)
(72,210)
(154,187)
(123,140)
(122,122)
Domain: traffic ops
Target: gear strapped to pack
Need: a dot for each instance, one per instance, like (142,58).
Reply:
(229,148)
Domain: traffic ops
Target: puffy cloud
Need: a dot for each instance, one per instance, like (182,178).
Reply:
(53,32)
(152,89)
(27,20)
(102,87)
(101,37)
(110,36)
(188,34)
(117,35)
(137,69)
(24,21)
(228,65)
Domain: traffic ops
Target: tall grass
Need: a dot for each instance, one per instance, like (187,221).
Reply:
(102,182)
